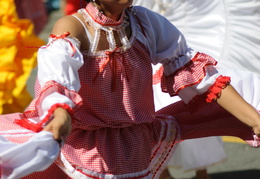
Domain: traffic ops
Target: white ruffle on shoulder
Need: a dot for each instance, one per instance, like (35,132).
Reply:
(229,32)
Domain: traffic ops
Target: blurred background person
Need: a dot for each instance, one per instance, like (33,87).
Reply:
(34,11)
(18,50)
(71,6)
(229,32)
(52,5)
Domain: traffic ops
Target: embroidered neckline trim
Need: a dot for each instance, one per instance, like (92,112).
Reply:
(90,15)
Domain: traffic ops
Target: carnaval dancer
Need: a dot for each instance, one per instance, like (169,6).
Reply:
(17,58)
(94,88)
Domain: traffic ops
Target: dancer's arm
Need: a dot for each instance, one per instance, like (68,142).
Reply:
(237,106)
(60,125)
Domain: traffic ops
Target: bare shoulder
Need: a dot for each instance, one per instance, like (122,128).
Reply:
(69,24)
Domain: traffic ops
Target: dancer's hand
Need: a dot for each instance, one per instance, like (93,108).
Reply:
(60,125)
(256,130)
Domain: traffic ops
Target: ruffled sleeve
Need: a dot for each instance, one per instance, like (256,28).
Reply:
(196,79)
(57,81)
(186,72)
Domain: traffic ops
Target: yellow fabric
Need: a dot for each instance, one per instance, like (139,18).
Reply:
(18,50)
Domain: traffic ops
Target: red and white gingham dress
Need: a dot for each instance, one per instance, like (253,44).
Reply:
(116,132)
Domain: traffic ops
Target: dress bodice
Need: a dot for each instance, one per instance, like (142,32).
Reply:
(113,93)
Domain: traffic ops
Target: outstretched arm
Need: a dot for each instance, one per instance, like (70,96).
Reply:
(237,106)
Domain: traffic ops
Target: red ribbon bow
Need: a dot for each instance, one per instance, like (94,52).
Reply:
(63,36)
(112,57)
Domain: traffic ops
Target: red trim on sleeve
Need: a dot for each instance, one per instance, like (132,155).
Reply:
(211,95)
(63,36)
(50,87)
(216,88)
(190,74)
(37,127)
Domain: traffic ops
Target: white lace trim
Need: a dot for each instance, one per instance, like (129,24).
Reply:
(74,173)
(120,29)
